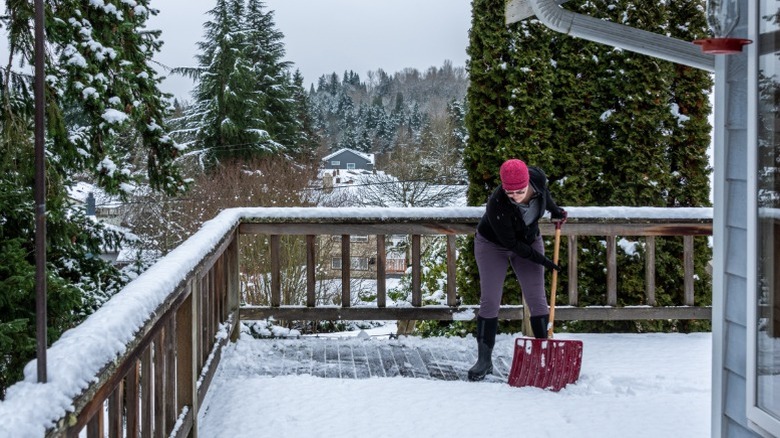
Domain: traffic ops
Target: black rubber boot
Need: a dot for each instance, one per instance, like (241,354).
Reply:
(486,339)
(539,326)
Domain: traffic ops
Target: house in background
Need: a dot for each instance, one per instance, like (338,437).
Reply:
(746,221)
(348,159)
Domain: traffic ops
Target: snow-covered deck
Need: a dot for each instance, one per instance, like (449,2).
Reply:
(637,385)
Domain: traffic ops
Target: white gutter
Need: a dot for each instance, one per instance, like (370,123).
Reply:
(614,34)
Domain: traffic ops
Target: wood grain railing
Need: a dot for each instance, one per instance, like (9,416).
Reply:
(646,223)
(154,386)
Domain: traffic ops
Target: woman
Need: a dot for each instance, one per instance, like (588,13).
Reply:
(509,233)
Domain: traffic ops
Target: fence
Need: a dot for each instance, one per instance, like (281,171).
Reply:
(153,385)
(606,222)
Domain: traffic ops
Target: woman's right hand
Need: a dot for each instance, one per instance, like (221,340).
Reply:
(549,264)
(544,261)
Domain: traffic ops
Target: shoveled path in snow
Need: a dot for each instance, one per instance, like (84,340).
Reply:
(361,358)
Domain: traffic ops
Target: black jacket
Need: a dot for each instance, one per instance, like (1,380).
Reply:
(503,223)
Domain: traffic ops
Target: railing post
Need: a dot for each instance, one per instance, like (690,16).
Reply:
(160,395)
(688,263)
(573,262)
(650,270)
(232,270)
(416,277)
(170,374)
(115,411)
(276,274)
(186,361)
(526,329)
(346,266)
(451,267)
(311,264)
(95,425)
(147,391)
(611,271)
(193,356)
(133,401)
(381,271)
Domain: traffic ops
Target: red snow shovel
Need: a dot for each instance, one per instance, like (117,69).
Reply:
(547,363)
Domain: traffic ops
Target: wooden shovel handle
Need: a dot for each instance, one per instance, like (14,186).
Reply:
(554,286)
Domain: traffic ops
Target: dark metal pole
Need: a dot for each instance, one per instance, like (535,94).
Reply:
(40,195)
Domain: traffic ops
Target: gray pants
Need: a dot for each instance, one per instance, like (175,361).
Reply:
(492,260)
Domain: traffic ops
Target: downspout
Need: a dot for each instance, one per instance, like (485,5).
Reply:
(618,35)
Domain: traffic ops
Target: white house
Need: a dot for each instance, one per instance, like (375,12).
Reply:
(746,226)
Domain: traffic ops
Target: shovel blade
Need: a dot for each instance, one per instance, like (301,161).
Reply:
(545,363)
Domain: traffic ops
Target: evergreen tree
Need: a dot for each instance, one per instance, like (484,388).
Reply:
(308,138)
(222,118)
(276,107)
(245,96)
(609,127)
(102,100)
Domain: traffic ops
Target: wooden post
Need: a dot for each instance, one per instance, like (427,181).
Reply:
(115,412)
(416,270)
(160,386)
(311,264)
(133,402)
(171,413)
(185,363)
(147,390)
(194,355)
(234,284)
(95,425)
(276,274)
(527,330)
(611,271)
(650,270)
(688,264)
(346,266)
(452,299)
(200,350)
(381,271)
(574,297)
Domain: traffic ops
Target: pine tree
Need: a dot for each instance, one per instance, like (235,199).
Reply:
(264,49)
(308,140)
(102,98)
(245,96)
(221,117)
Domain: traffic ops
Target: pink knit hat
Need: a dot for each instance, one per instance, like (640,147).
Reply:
(514,174)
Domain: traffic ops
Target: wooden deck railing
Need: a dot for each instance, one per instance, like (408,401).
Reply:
(647,223)
(154,385)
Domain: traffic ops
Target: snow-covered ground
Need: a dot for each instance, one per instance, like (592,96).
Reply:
(631,385)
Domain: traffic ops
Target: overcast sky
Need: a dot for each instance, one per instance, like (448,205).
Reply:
(323,36)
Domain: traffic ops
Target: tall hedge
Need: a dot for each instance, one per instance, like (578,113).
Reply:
(608,126)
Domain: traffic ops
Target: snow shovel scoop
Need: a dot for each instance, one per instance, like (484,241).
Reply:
(547,363)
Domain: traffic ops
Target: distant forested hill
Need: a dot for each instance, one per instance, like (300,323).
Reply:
(381,113)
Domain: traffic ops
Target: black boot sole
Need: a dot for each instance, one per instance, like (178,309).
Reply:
(479,378)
